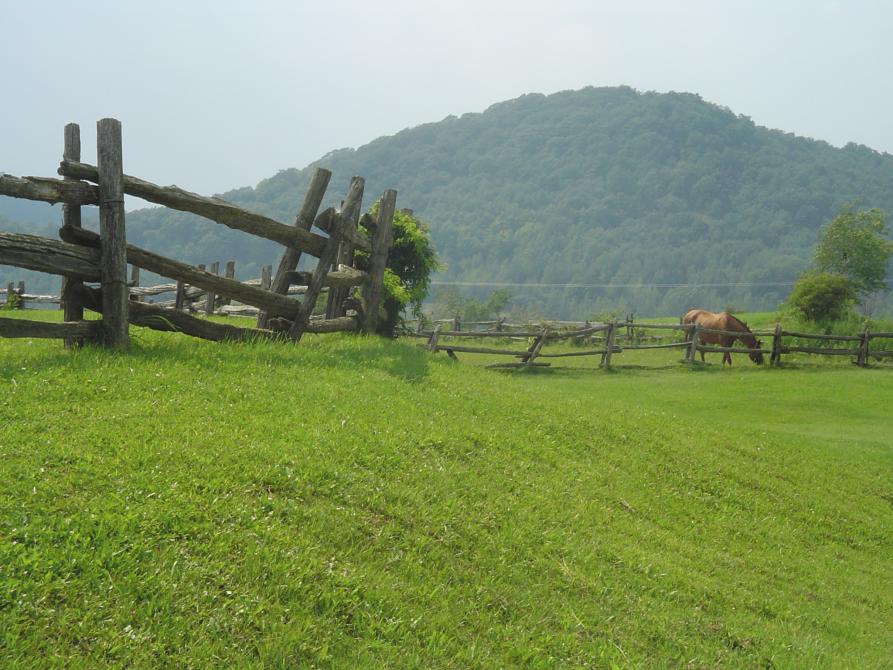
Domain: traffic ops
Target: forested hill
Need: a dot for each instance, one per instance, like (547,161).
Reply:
(602,186)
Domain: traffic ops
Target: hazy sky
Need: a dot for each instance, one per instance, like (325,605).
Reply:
(215,94)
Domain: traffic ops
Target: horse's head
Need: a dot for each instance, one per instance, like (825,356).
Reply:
(757,357)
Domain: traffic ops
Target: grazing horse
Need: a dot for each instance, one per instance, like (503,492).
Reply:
(724,321)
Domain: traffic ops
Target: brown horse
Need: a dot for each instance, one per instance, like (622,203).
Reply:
(724,321)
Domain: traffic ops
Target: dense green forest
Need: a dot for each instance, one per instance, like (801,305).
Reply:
(602,186)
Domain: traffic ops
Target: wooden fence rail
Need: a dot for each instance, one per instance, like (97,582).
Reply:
(84,256)
(614,330)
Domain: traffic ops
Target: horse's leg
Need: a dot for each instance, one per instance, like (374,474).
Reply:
(727,342)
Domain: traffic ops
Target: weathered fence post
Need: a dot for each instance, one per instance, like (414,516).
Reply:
(862,359)
(180,297)
(135,280)
(609,343)
(350,214)
(266,273)
(229,273)
(694,331)
(775,356)
(210,297)
(345,256)
(304,219)
(457,324)
(535,348)
(72,310)
(432,341)
(381,243)
(113,257)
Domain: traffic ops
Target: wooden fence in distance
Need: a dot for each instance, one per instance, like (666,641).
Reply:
(84,256)
(615,337)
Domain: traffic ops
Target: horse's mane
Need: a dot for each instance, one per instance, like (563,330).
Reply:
(740,322)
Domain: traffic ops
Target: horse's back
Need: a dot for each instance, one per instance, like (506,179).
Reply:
(697,316)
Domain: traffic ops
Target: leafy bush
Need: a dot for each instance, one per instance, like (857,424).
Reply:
(411,261)
(822,297)
(13,301)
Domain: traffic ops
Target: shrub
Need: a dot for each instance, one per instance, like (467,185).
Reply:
(822,297)
(411,261)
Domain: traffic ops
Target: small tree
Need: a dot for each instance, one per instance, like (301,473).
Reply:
(821,297)
(854,245)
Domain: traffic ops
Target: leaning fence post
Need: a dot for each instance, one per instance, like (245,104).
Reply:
(381,244)
(534,349)
(113,256)
(304,220)
(432,341)
(266,273)
(350,214)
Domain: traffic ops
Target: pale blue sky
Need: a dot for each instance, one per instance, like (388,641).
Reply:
(216,94)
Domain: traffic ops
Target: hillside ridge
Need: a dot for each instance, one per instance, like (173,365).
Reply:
(599,186)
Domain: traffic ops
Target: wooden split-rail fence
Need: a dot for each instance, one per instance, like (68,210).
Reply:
(615,337)
(83,257)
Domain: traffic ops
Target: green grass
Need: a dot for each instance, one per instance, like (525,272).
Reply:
(352,502)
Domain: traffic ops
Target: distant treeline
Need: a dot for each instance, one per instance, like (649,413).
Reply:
(598,186)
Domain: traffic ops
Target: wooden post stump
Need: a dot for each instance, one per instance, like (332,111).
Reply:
(210,297)
(180,297)
(229,273)
(135,281)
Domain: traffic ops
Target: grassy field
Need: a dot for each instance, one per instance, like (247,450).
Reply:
(353,502)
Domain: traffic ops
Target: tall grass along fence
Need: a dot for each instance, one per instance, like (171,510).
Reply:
(14,296)
(613,338)
(84,257)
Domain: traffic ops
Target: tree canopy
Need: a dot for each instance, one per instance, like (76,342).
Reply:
(855,246)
